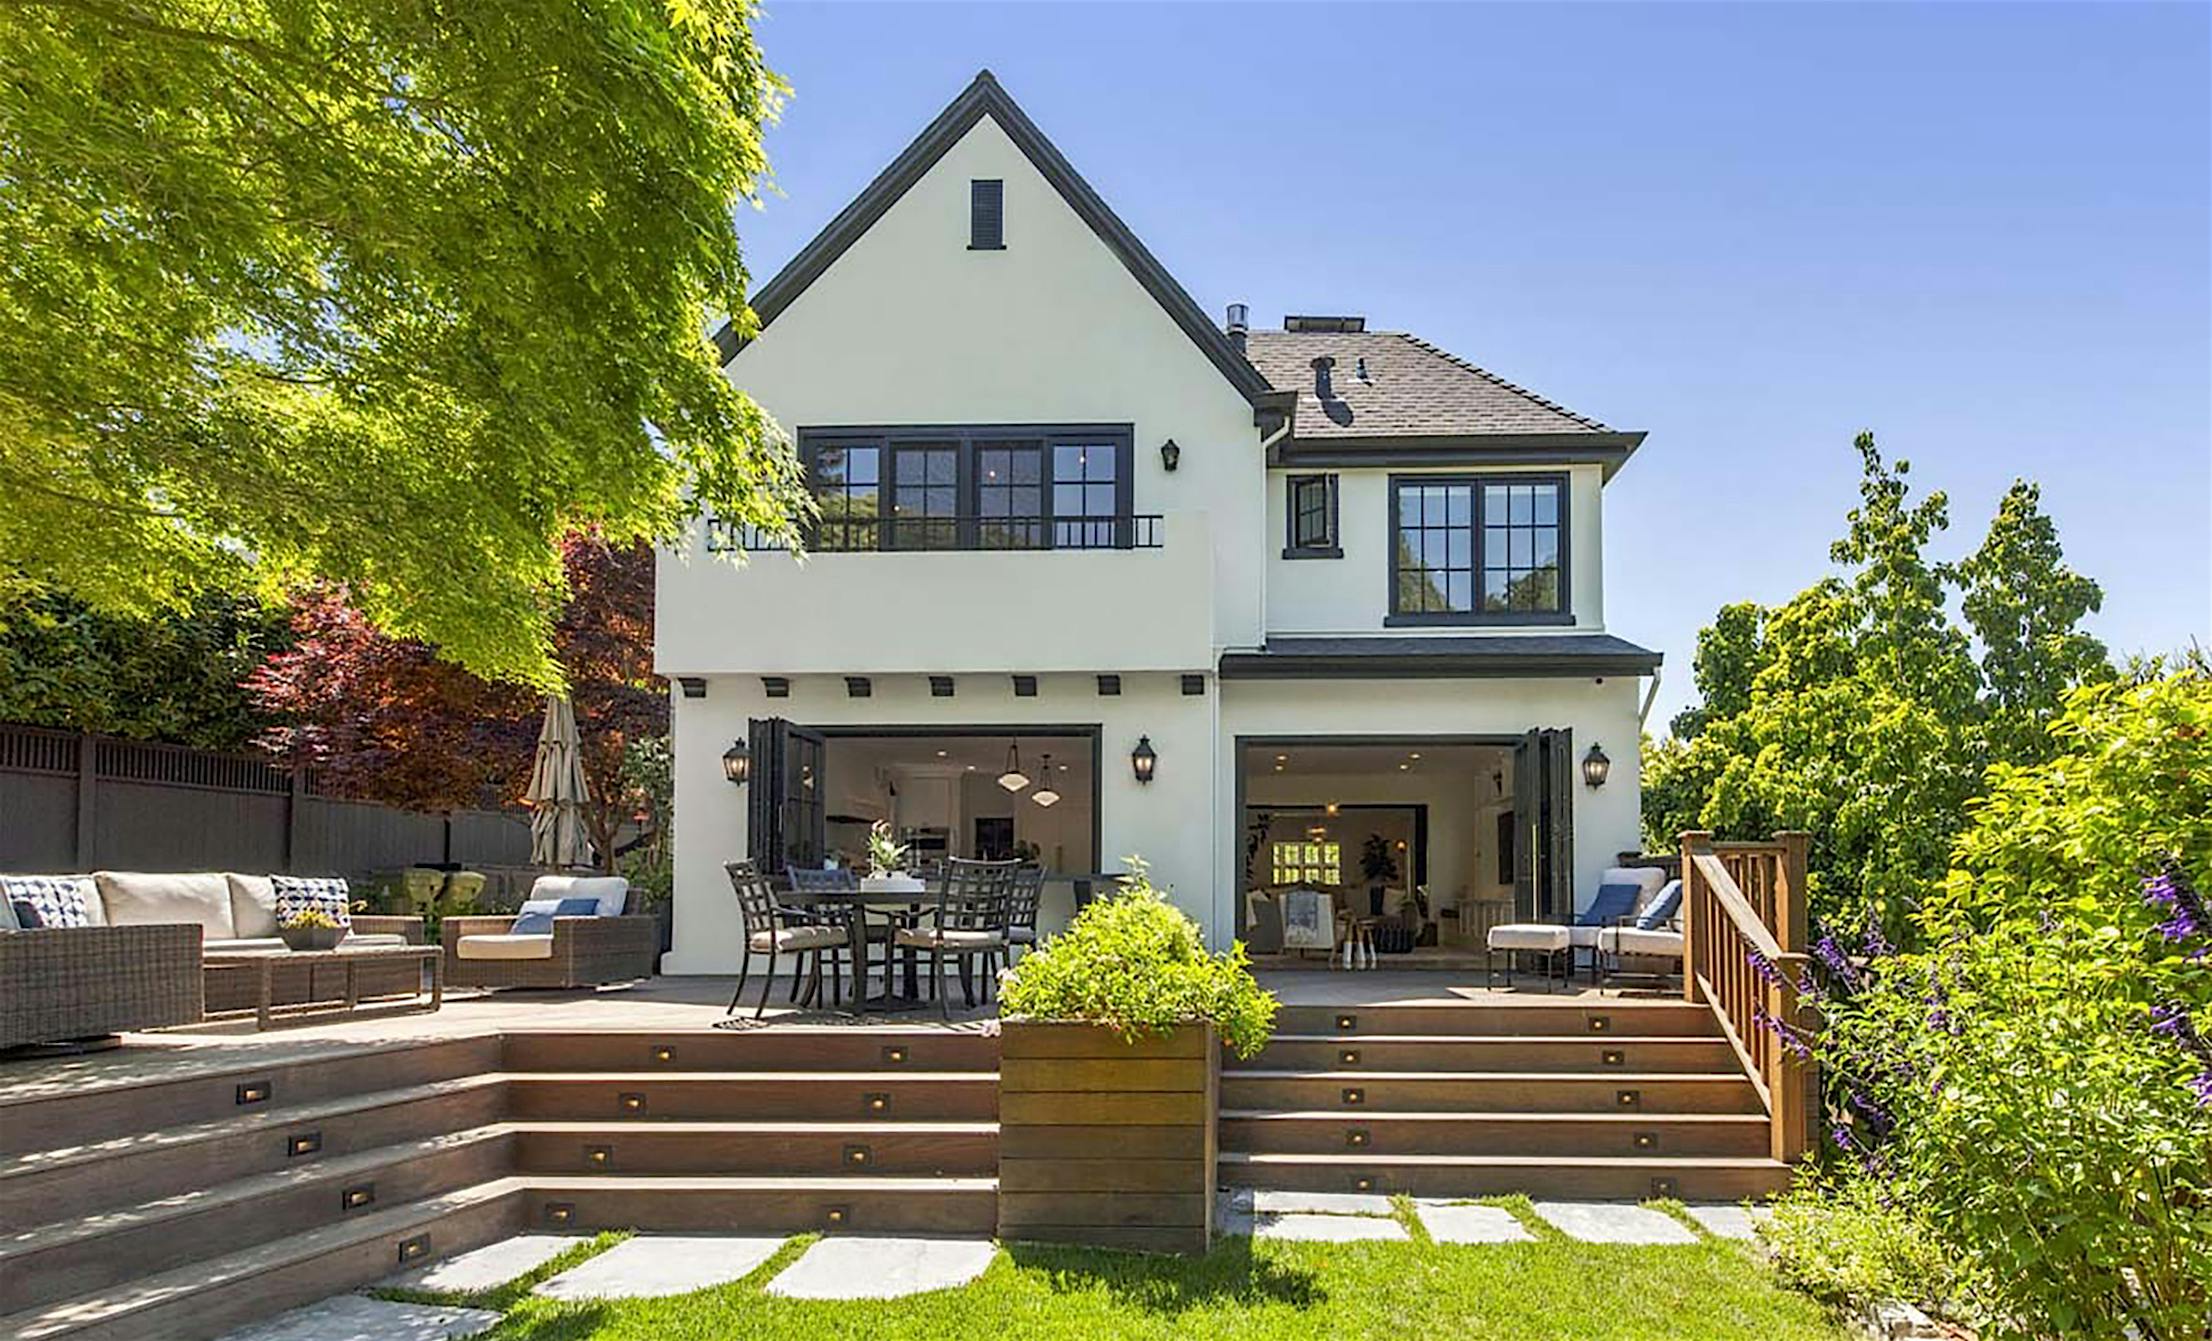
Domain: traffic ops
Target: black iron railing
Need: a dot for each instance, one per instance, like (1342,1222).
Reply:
(847,535)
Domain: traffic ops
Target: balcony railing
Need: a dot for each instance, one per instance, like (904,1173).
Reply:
(912,534)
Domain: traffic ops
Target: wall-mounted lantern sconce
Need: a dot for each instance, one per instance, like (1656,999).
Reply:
(1143,759)
(737,763)
(1171,455)
(693,686)
(1596,767)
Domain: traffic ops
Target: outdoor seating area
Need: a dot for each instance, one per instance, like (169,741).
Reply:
(968,916)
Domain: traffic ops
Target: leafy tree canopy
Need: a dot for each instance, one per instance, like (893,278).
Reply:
(387,720)
(172,676)
(1859,710)
(384,294)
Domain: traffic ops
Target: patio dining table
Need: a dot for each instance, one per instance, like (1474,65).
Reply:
(851,907)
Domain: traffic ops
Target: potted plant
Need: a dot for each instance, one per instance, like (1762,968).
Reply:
(1379,866)
(887,862)
(1119,1022)
(311,929)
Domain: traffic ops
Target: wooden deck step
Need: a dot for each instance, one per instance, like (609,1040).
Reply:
(1489,1091)
(1700,1178)
(1557,1135)
(1614,1017)
(227,1087)
(67,1182)
(209,1297)
(776,1204)
(821,1149)
(891,1050)
(1491,1052)
(754,1095)
(72,1257)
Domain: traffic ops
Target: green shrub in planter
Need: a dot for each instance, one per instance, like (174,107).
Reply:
(1136,964)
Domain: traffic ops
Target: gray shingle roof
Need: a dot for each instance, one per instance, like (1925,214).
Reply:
(1413,389)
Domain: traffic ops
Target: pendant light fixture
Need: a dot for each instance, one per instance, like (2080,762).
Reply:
(1013,779)
(1045,795)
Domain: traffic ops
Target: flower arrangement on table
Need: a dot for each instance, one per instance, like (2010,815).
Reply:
(311,929)
(885,853)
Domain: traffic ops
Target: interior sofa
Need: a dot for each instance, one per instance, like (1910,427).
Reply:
(611,943)
(235,913)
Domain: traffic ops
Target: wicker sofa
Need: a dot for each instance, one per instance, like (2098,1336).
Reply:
(65,984)
(237,913)
(617,944)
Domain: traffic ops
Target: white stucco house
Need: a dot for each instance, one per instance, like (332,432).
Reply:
(1250,604)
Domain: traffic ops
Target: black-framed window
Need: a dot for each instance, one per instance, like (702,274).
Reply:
(1309,506)
(1086,494)
(848,490)
(975,487)
(1474,549)
(986,214)
(925,495)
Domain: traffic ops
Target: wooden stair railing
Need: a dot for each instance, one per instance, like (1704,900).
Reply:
(1744,903)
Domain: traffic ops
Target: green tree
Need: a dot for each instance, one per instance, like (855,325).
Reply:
(1856,711)
(2025,607)
(381,293)
(171,676)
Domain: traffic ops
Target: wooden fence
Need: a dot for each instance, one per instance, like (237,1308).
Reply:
(71,801)
(1743,926)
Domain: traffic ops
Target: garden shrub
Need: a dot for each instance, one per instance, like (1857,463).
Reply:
(1840,1240)
(2032,1094)
(1137,964)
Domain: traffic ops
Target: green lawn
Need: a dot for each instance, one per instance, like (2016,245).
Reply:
(1243,1289)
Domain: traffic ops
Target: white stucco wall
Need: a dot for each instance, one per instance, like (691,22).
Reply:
(1164,822)
(909,326)
(1602,712)
(1352,594)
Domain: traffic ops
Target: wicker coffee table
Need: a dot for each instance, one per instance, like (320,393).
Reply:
(265,966)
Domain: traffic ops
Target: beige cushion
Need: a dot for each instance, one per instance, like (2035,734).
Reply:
(253,910)
(504,946)
(1646,879)
(612,891)
(360,940)
(1631,941)
(144,898)
(244,945)
(1528,936)
(1583,938)
(925,937)
(797,938)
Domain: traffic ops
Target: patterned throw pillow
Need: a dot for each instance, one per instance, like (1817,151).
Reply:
(51,900)
(296,894)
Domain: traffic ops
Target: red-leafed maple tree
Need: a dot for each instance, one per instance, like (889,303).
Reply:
(383,719)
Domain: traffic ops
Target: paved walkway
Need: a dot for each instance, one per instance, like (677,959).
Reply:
(651,1266)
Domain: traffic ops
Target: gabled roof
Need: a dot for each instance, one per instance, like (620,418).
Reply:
(982,98)
(1417,401)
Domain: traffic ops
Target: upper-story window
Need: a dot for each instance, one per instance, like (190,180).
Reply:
(986,214)
(1309,507)
(974,487)
(1478,549)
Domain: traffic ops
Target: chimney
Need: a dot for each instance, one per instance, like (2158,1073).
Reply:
(1238,325)
(1321,387)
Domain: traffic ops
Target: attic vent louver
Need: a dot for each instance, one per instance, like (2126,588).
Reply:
(986,215)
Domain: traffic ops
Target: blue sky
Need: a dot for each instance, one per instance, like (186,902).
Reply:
(1984,232)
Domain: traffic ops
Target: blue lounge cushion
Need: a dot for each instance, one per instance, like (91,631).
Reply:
(1662,909)
(1613,903)
(536,917)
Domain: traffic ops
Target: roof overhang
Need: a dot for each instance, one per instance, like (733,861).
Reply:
(1408,451)
(1480,656)
(982,98)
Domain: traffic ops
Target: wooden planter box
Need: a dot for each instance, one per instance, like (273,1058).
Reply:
(1104,1142)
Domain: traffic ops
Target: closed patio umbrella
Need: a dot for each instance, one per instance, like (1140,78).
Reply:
(557,792)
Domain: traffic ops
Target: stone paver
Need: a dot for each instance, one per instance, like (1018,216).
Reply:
(354,1317)
(1326,1228)
(1614,1222)
(485,1268)
(652,1265)
(1233,1212)
(881,1268)
(1471,1224)
(1727,1222)
(1266,1202)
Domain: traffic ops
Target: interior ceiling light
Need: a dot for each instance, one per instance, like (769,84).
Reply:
(1013,779)
(1045,795)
